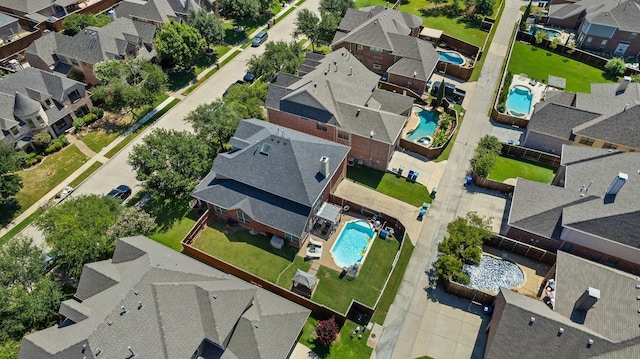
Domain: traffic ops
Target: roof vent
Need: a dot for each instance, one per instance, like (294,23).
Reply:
(532,320)
(324,166)
(123,310)
(415,73)
(622,87)
(589,343)
(140,305)
(560,331)
(371,134)
(350,71)
(98,351)
(133,354)
(357,112)
(315,84)
(617,184)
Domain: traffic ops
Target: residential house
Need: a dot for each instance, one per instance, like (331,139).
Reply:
(76,55)
(33,101)
(157,12)
(41,10)
(594,315)
(386,42)
(150,301)
(591,209)
(608,26)
(274,180)
(603,118)
(9,27)
(337,98)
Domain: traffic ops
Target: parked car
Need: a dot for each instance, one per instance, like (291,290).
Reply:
(259,39)
(239,82)
(248,77)
(121,192)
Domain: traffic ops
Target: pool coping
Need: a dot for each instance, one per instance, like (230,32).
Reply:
(518,113)
(369,244)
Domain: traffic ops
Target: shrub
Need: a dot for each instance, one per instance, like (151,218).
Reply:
(615,66)
(56,146)
(64,140)
(502,99)
(42,139)
(98,112)
(487,152)
(327,331)
(78,123)
(90,118)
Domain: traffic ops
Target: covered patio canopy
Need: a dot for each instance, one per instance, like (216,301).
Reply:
(329,212)
(304,283)
(431,33)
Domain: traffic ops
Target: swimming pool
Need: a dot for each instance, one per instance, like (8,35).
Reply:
(548,33)
(519,101)
(493,273)
(353,243)
(426,126)
(451,57)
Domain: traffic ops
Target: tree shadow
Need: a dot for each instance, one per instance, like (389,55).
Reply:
(365,175)
(609,77)
(169,211)
(8,211)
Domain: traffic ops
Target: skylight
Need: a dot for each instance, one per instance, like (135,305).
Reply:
(265,148)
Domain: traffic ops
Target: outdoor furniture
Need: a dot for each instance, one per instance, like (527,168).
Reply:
(277,242)
(314,249)
(351,161)
(326,228)
(304,283)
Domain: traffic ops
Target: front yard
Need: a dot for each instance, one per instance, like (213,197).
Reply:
(387,183)
(507,167)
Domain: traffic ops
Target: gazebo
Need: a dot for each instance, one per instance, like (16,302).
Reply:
(304,283)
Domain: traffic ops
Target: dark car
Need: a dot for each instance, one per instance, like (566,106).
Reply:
(121,192)
(249,77)
(237,83)
(259,39)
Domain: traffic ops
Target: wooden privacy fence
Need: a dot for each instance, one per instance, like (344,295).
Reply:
(474,295)
(491,184)
(520,248)
(530,154)
(508,119)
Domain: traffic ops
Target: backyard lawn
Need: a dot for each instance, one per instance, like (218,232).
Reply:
(55,168)
(540,63)
(394,282)
(343,347)
(506,167)
(387,183)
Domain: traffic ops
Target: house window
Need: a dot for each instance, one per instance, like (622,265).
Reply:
(291,238)
(603,43)
(40,120)
(15,130)
(359,47)
(321,127)
(243,217)
(633,35)
(409,83)
(596,257)
(48,102)
(611,262)
(82,111)
(609,146)
(376,50)
(567,247)
(343,135)
(30,123)
(220,210)
(74,96)
(589,39)
(377,65)
(586,141)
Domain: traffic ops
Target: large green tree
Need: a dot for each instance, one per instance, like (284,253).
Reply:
(76,230)
(248,100)
(73,23)
(337,7)
(615,66)
(327,26)
(129,84)
(215,121)
(484,7)
(179,44)
(171,162)
(30,299)
(307,25)
(207,25)
(132,221)
(10,181)
(279,56)
(241,10)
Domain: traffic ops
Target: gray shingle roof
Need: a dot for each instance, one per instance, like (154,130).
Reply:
(172,303)
(27,6)
(605,99)
(24,106)
(335,90)
(621,128)
(558,120)
(544,209)
(159,11)
(623,16)
(612,323)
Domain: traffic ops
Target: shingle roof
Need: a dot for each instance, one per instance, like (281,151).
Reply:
(612,323)
(159,11)
(24,106)
(27,6)
(545,209)
(558,120)
(163,304)
(623,16)
(621,128)
(6,19)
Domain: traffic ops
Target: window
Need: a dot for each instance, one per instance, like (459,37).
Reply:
(586,141)
(377,50)
(377,65)
(40,120)
(596,257)
(243,217)
(359,47)
(321,127)
(611,262)
(343,135)
(603,43)
(30,123)
(291,238)
(15,130)
(609,146)
(633,35)
(220,210)
(589,39)
(567,247)
(48,102)
(74,96)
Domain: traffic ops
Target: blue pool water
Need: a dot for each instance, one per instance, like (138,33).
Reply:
(352,243)
(547,33)
(519,100)
(426,126)
(451,57)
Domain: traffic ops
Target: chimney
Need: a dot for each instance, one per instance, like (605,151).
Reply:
(588,299)
(616,184)
(324,166)
(623,85)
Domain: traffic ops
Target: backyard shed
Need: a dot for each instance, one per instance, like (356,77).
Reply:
(304,283)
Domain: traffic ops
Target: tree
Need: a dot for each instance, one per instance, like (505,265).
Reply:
(30,298)
(554,43)
(132,221)
(279,56)
(539,36)
(171,162)
(10,182)
(179,44)
(241,10)
(207,25)
(248,100)
(214,121)
(571,47)
(307,25)
(76,230)
(449,266)
(129,84)
(484,7)
(525,16)
(615,66)
(337,7)
(440,96)
(635,78)
(491,143)
(327,26)
(73,23)
(327,331)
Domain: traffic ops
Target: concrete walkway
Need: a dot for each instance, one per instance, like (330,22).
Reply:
(413,316)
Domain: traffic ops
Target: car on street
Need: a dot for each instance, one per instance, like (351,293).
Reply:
(248,77)
(259,39)
(121,192)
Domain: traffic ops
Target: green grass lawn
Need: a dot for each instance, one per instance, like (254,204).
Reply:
(98,139)
(506,167)
(41,179)
(343,347)
(337,293)
(94,167)
(387,183)
(540,63)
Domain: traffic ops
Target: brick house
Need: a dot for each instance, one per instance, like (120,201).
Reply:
(157,12)
(274,180)
(33,101)
(337,98)
(72,55)
(386,42)
(590,210)
(602,119)
(608,26)
(42,10)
